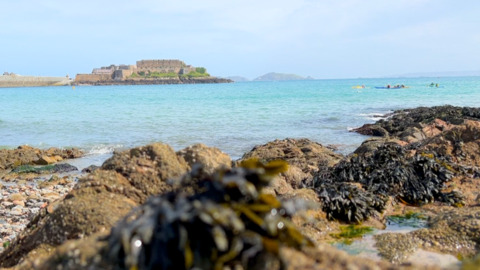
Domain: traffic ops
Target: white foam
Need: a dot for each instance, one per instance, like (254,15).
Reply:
(103,149)
(373,116)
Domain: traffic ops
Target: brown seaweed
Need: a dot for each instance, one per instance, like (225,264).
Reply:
(225,221)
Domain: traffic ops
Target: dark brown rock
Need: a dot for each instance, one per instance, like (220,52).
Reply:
(299,153)
(371,130)
(27,155)
(100,199)
(210,157)
(461,142)
(370,145)
(148,167)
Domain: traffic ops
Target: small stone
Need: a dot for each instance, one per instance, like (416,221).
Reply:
(21,182)
(16,197)
(33,197)
(45,160)
(16,212)
(20,203)
(7,204)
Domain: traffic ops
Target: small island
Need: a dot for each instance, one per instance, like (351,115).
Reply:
(148,72)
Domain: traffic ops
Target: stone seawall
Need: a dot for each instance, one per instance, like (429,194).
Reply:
(24,81)
(177,80)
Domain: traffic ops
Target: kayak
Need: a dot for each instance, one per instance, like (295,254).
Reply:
(359,87)
(384,87)
(436,86)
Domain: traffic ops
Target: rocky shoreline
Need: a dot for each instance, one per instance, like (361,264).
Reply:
(153,208)
(178,80)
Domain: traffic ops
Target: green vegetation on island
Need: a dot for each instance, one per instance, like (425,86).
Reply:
(199,72)
(272,76)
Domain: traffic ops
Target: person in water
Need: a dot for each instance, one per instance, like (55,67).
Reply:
(432,84)
(437,85)
(363,86)
(403,86)
(388,85)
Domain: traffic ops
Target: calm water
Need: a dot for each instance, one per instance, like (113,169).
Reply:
(232,117)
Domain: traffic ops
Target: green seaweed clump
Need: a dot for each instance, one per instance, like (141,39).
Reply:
(352,231)
(225,222)
(57,168)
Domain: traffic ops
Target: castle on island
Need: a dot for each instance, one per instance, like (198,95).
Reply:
(144,69)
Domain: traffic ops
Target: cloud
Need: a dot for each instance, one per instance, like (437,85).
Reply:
(263,34)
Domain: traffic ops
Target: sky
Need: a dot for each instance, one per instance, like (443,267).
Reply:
(325,39)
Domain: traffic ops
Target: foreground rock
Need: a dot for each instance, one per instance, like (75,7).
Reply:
(27,155)
(303,157)
(455,232)
(210,157)
(99,200)
(197,228)
(413,125)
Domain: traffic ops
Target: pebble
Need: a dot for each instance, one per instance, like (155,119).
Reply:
(21,203)
(22,200)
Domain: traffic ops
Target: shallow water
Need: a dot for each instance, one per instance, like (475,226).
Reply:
(233,117)
(365,247)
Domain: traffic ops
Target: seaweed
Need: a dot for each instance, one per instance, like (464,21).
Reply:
(352,231)
(213,221)
(389,171)
(57,168)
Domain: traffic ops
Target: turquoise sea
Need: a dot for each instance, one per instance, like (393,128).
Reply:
(233,117)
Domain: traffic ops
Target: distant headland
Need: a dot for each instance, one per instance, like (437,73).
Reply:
(272,76)
(148,72)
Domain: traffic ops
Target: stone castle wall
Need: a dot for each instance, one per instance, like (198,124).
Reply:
(160,65)
(18,81)
(122,74)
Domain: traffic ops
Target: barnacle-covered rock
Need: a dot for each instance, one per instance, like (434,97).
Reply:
(302,155)
(462,143)
(147,167)
(415,124)
(100,199)
(389,171)
(227,222)
(456,232)
(210,157)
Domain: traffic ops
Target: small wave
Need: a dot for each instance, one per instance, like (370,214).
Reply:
(103,149)
(374,116)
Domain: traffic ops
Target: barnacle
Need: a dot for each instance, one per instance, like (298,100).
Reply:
(227,221)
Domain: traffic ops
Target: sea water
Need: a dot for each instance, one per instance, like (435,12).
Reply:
(233,117)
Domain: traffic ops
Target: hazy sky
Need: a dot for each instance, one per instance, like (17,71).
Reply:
(320,38)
